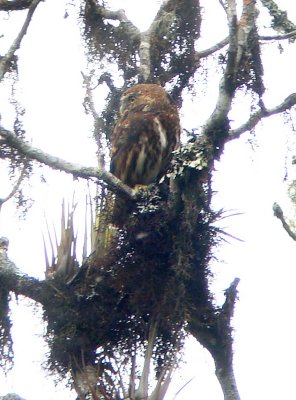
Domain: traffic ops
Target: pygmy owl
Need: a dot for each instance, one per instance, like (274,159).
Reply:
(145,135)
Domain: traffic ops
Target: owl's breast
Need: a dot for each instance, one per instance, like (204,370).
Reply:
(141,147)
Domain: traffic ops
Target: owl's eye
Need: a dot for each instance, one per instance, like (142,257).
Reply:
(131,98)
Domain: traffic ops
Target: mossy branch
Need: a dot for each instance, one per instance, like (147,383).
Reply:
(14,5)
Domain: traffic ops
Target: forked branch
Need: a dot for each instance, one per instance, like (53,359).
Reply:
(263,112)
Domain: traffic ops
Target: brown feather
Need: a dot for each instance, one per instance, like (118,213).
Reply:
(145,136)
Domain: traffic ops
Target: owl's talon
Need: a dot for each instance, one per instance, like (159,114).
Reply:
(140,188)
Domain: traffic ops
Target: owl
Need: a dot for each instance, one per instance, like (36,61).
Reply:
(147,132)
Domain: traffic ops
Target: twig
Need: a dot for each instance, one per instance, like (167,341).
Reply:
(4,64)
(183,387)
(76,170)
(14,189)
(212,49)
(278,37)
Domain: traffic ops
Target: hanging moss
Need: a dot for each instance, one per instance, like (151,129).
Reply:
(280,20)
(6,350)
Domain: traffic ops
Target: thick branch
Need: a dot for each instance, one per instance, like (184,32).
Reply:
(8,5)
(6,60)
(227,83)
(109,14)
(76,170)
(145,72)
(263,112)
(216,336)
(17,282)
(227,381)
(145,57)
(118,15)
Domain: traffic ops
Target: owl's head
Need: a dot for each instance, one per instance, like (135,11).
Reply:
(144,97)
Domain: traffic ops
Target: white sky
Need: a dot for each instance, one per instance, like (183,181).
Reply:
(248,181)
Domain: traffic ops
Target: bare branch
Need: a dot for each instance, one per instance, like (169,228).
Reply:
(15,188)
(182,387)
(195,62)
(263,112)
(6,60)
(279,37)
(76,170)
(223,5)
(215,334)
(98,121)
(212,49)
(239,34)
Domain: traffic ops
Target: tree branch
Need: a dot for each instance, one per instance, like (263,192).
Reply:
(109,14)
(14,5)
(224,359)
(213,330)
(76,170)
(6,60)
(227,83)
(278,212)
(263,112)
(279,37)
(212,49)
(14,280)
(145,72)
(118,15)
(14,189)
